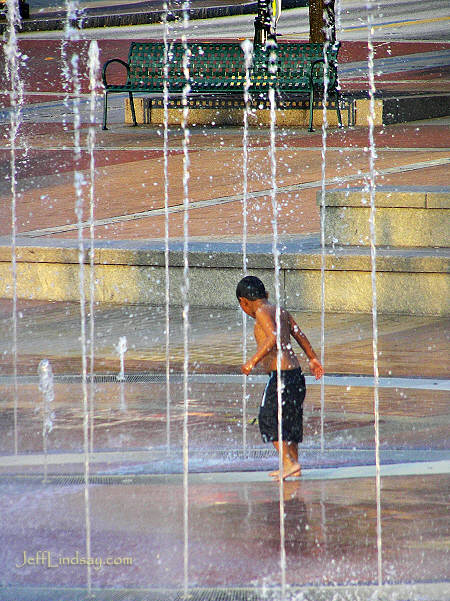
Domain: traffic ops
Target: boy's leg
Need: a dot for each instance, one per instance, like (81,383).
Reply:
(290,467)
(293,451)
(276,473)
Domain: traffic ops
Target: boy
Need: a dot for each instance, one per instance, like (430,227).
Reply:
(253,300)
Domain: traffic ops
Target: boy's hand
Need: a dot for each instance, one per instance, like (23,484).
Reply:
(316,368)
(247,368)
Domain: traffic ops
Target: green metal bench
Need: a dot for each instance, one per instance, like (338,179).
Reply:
(220,69)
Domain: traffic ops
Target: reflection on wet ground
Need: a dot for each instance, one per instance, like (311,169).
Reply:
(133,416)
(234,534)
(411,346)
(136,491)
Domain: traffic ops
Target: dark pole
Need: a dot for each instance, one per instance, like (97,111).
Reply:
(263,21)
(316,35)
(321,19)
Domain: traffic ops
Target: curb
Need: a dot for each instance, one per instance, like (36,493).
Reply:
(402,108)
(408,281)
(426,591)
(89,18)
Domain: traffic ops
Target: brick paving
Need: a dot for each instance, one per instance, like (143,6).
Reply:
(138,174)
(234,536)
(130,161)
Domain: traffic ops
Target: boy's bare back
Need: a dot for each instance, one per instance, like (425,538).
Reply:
(264,314)
(266,327)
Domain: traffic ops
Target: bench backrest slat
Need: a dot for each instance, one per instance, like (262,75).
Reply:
(225,62)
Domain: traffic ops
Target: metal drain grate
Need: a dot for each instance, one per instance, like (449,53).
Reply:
(217,595)
(241,454)
(134,377)
(369,592)
(67,594)
(101,480)
(98,378)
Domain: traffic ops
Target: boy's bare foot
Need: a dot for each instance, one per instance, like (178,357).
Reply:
(293,471)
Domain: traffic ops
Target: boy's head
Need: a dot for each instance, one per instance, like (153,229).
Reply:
(251,288)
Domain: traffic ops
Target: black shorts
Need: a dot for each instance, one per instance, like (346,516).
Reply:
(293,392)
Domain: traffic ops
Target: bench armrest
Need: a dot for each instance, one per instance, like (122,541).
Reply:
(331,66)
(113,60)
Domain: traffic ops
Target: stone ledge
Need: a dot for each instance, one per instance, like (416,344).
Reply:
(429,197)
(406,216)
(414,107)
(230,115)
(356,258)
(408,282)
(356,110)
(345,291)
(226,115)
(396,227)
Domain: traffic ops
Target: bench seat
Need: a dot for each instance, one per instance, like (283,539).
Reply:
(220,68)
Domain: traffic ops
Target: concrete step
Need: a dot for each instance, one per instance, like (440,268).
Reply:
(389,107)
(409,280)
(406,216)
(229,110)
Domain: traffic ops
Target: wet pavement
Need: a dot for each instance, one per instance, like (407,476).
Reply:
(136,491)
(135,520)
(233,532)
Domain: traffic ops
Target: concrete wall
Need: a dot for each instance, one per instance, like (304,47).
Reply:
(413,284)
(405,217)
(224,115)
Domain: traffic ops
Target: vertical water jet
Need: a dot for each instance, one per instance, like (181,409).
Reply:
(48,396)
(166,217)
(12,70)
(326,45)
(373,259)
(94,70)
(185,291)
(79,183)
(121,350)
(247,48)
(276,260)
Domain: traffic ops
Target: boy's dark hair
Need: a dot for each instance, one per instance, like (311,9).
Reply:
(250,288)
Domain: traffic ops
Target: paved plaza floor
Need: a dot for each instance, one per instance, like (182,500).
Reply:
(162,525)
(129,162)
(136,492)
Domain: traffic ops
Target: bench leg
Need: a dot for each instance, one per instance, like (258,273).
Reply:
(338,110)
(105,109)
(311,109)
(133,114)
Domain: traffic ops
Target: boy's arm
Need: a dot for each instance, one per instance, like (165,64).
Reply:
(314,364)
(265,321)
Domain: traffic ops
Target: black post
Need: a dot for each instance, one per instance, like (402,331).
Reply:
(316,22)
(263,22)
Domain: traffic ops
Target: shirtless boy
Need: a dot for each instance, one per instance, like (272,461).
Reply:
(253,300)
